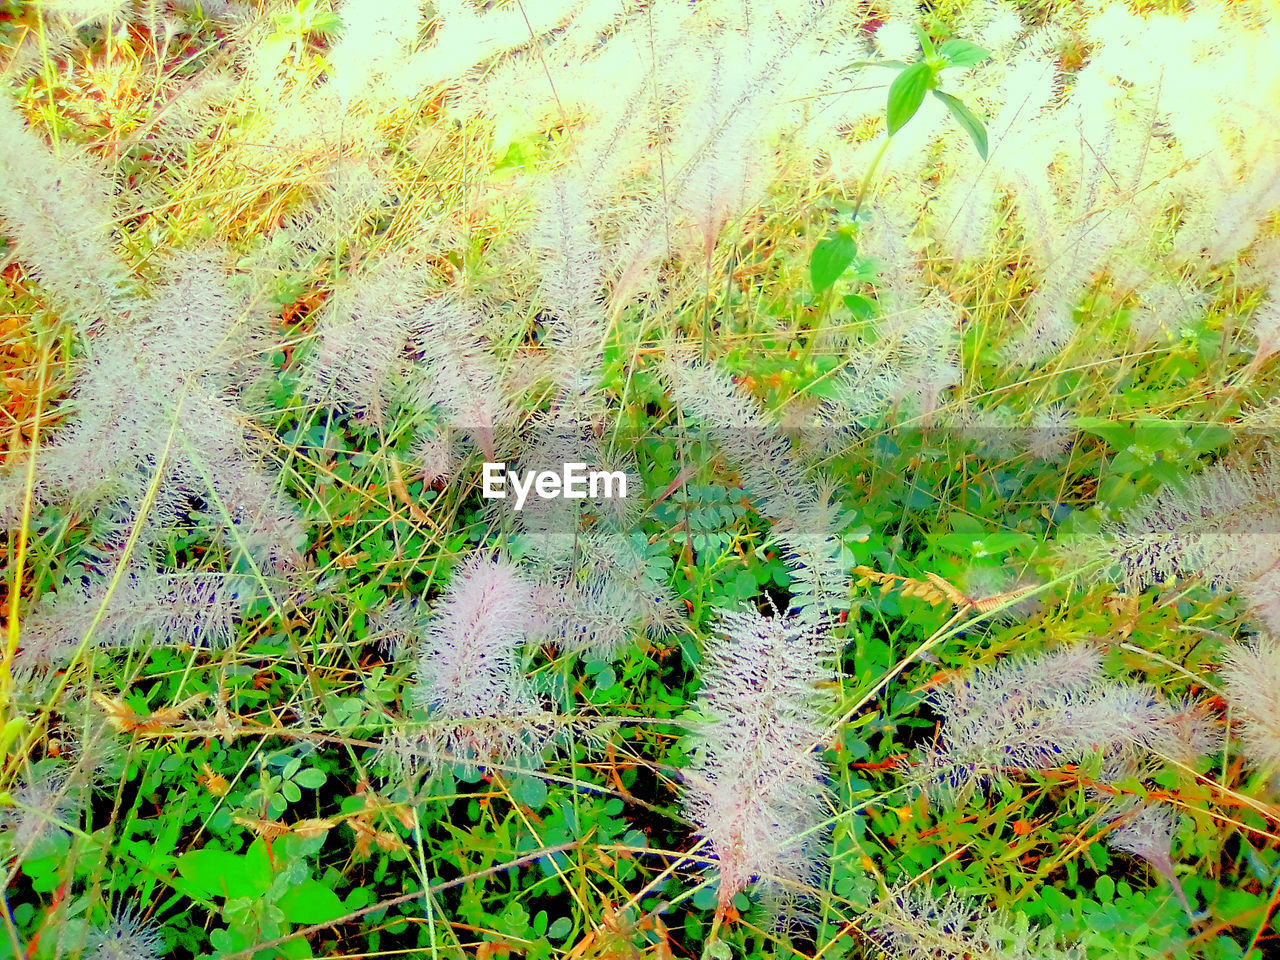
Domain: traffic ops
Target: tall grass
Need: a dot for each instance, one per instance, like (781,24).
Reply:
(904,642)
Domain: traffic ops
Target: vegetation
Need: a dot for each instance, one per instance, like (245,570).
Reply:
(935,347)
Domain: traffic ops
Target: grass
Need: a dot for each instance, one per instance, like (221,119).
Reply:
(244,802)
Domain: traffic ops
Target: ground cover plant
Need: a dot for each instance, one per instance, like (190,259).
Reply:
(884,398)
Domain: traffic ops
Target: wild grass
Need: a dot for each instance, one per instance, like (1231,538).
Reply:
(940,622)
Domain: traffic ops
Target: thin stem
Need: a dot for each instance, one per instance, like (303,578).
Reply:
(871,170)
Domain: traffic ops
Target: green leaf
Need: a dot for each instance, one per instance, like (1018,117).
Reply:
(560,928)
(831,257)
(926,42)
(964,116)
(295,949)
(906,93)
(860,307)
(211,873)
(1117,435)
(311,902)
(962,53)
(311,778)
(1208,437)
(894,64)
(530,791)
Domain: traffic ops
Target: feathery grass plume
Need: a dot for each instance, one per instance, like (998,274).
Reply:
(1261,418)
(991,429)
(1264,325)
(192,112)
(49,792)
(433,452)
(1052,432)
(29,54)
(806,520)
(520,99)
(1042,712)
(721,171)
(480,707)
(163,387)
(460,375)
(762,70)
(192,609)
(1000,431)
(344,198)
(59,210)
(569,265)
(817,555)
(597,602)
(86,12)
(1222,525)
(746,437)
(396,628)
(1262,594)
(756,781)
(88,742)
(644,83)
(597,588)
(913,357)
(466,37)
(231,11)
(1164,309)
(359,360)
(913,923)
(127,936)
(1251,674)
(1146,830)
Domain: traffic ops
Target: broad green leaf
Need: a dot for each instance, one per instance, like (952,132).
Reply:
(906,93)
(860,307)
(311,778)
(311,902)
(964,116)
(831,257)
(1118,435)
(1208,437)
(530,791)
(213,873)
(560,929)
(962,53)
(1159,435)
(295,949)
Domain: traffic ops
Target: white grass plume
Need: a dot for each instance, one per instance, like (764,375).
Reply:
(570,268)
(914,923)
(1042,712)
(125,937)
(610,596)
(59,210)
(480,706)
(164,388)
(755,785)
(193,609)
(1223,525)
(806,520)
(1146,830)
(1251,674)
(359,358)
(460,374)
